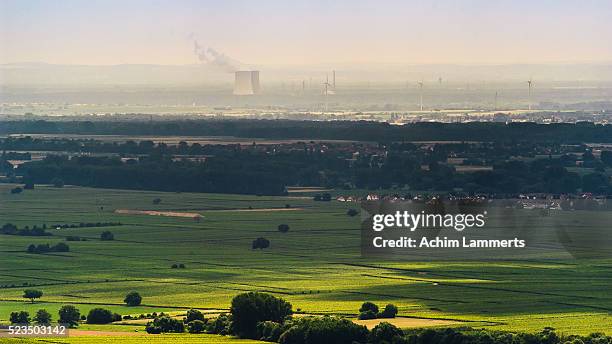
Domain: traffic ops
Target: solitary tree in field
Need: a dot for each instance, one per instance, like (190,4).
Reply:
(107,235)
(283,228)
(133,299)
(32,294)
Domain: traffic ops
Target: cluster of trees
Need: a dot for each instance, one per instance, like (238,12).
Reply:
(370,310)
(46,248)
(334,130)
(251,170)
(86,225)
(11,229)
(68,314)
(268,318)
(101,316)
(42,317)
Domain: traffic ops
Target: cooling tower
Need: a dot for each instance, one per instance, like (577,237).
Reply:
(246,83)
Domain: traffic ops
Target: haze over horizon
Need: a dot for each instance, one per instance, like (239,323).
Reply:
(276,33)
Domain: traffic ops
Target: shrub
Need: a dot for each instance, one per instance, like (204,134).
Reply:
(323,330)
(196,326)
(16,190)
(21,317)
(99,316)
(260,243)
(194,314)
(181,266)
(385,332)
(133,299)
(248,309)
(107,236)
(221,325)
(60,247)
(165,324)
(352,212)
(28,186)
(157,200)
(390,311)
(283,228)
(42,317)
(116,317)
(367,315)
(368,306)
(69,315)
(269,331)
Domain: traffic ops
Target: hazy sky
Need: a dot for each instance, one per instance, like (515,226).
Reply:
(307,32)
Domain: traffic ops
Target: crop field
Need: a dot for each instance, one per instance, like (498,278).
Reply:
(316,265)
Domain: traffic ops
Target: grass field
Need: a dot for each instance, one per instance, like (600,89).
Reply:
(316,265)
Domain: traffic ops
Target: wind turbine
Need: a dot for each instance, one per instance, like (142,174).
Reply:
(326,86)
(420,83)
(530,85)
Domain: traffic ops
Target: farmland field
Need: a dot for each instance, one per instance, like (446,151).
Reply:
(316,265)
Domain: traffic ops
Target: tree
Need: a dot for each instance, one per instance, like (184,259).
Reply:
(70,315)
(261,243)
(165,324)
(352,212)
(107,236)
(21,317)
(283,228)
(369,306)
(132,299)
(385,333)
(16,190)
(390,311)
(32,294)
(42,317)
(99,316)
(157,201)
(196,326)
(61,247)
(194,314)
(28,186)
(249,309)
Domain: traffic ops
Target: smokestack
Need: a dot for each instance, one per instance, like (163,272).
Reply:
(246,82)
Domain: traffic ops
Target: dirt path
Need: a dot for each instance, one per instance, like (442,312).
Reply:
(406,322)
(158,213)
(91,333)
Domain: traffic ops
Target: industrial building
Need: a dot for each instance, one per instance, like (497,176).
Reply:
(246,83)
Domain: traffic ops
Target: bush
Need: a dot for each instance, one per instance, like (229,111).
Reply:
(16,190)
(248,309)
(196,326)
(260,243)
(323,330)
(42,317)
(194,314)
(368,306)
(116,317)
(269,331)
(385,332)
(99,316)
(165,324)
(60,247)
(28,186)
(221,325)
(133,299)
(283,228)
(157,200)
(390,311)
(352,212)
(21,317)
(69,315)
(367,315)
(107,236)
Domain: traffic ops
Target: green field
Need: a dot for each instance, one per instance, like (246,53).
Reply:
(316,265)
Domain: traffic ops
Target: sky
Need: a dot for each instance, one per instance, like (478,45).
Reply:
(307,32)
